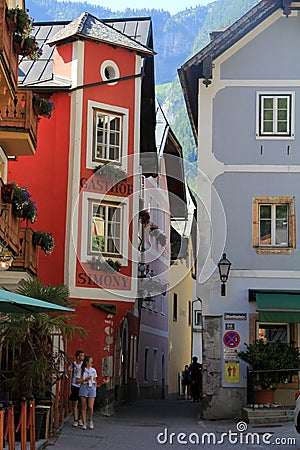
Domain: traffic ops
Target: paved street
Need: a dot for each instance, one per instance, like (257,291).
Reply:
(148,424)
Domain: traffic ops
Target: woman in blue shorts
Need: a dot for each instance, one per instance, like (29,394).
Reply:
(87,391)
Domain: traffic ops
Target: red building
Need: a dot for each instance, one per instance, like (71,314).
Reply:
(102,85)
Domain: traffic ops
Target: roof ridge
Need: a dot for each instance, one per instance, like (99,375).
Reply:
(82,19)
(77,27)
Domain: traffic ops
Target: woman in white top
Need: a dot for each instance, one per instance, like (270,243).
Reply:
(87,391)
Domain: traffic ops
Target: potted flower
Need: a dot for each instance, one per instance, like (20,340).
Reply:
(153,227)
(105,265)
(111,171)
(269,359)
(115,265)
(23,206)
(44,240)
(43,106)
(31,48)
(144,217)
(159,234)
(21,19)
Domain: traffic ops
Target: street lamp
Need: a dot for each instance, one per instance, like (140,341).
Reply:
(224,268)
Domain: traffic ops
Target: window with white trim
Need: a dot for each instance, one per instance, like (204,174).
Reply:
(107,136)
(273,332)
(273,224)
(275,115)
(106,228)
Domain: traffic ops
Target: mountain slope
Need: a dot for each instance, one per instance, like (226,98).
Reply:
(176,39)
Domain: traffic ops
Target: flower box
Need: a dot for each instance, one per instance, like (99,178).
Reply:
(44,240)
(22,204)
(21,20)
(107,265)
(43,106)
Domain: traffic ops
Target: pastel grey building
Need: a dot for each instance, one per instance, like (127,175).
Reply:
(242,93)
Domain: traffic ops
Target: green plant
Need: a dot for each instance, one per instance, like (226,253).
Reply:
(31,48)
(105,264)
(36,365)
(23,206)
(111,171)
(22,19)
(45,240)
(98,244)
(43,106)
(273,357)
(115,265)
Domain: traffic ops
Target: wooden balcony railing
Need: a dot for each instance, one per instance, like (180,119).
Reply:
(9,228)
(18,126)
(27,258)
(8,58)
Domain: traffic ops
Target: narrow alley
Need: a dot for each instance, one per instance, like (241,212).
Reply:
(149,424)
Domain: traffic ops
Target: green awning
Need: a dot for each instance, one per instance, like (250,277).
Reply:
(108,308)
(278,307)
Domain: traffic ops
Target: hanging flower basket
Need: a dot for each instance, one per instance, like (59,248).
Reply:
(108,265)
(144,217)
(159,234)
(44,240)
(31,48)
(43,106)
(23,206)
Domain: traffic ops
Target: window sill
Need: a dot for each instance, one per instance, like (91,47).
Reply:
(274,250)
(275,137)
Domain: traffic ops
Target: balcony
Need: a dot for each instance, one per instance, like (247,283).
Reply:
(8,59)
(10,228)
(18,126)
(27,258)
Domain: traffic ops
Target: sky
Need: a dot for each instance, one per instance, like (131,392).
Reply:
(173,6)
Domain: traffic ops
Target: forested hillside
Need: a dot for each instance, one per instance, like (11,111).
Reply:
(176,39)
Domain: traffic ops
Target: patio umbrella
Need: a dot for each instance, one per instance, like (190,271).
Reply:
(11,302)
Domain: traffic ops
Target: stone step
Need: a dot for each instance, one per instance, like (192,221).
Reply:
(267,415)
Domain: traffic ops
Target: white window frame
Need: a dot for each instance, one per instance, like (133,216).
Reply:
(282,324)
(106,206)
(273,225)
(87,198)
(290,133)
(106,109)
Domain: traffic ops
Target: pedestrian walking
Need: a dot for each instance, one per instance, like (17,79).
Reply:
(186,382)
(87,391)
(74,373)
(195,370)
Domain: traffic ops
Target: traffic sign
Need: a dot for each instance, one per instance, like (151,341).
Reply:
(231,339)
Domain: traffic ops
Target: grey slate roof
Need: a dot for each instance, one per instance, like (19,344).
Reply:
(39,75)
(90,27)
(198,66)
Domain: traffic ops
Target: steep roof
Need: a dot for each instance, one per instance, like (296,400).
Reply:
(200,65)
(39,74)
